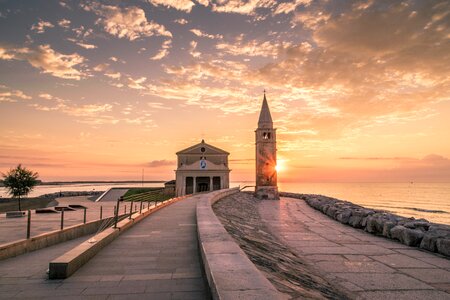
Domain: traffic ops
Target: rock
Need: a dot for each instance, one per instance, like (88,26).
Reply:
(418,224)
(324,208)
(387,228)
(443,246)
(355,221)
(370,224)
(373,225)
(364,222)
(344,216)
(331,211)
(412,237)
(397,232)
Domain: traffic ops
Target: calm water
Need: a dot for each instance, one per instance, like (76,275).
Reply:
(420,200)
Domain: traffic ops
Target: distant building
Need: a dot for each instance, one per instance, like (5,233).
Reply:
(169,187)
(266,156)
(201,168)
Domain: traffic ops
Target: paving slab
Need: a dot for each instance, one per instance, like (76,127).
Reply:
(364,265)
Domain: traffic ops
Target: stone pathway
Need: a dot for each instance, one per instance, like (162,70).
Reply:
(158,258)
(367,266)
(27,273)
(287,272)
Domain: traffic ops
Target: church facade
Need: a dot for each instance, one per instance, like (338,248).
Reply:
(201,168)
(266,155)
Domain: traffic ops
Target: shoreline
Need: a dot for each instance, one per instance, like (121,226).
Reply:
(420,233)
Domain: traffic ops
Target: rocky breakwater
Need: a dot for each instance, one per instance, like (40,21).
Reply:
(71,194)
(409,231)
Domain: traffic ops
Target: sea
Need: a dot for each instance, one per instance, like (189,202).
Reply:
(419,200)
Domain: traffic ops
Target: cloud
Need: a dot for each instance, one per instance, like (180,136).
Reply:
(200,33)
(87,46)
(64,23)
(183,5)
(181,21)
(374,158)
(287,7)
(245,7)
(45,96)
(82,44)
(41,25)
(253,48)
(136,84)
(10,95)
(164,51)
(48,60)
(192,49)
(128,22)
(161,163)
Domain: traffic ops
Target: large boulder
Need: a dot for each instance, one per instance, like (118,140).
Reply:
(435,232)
(443,246)
(344,216)
(355,221)
(397,232)
(387,226)
(412,237)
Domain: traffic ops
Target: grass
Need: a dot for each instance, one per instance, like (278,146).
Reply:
(147,194)
(135,191)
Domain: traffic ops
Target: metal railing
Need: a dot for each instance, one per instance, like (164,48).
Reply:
(130,205)
(63,214)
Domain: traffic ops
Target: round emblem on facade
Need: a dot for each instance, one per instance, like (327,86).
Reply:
(202,149)
(203,164)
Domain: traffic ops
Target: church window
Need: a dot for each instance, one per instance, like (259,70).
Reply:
(202,149)
(266,135)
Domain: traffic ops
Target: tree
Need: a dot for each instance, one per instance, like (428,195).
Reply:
(20,181)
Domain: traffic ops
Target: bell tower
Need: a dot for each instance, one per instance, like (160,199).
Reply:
(266,155)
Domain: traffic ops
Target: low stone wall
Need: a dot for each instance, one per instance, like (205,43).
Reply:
(230,274)
(409,231)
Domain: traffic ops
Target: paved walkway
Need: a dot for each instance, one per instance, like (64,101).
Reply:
(367,266)
(158,258)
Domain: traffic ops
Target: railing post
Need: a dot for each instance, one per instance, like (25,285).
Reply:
(101,212)
(140,208)
(84,216)
(131,210)
(125,209)
(116,213)
(28,224)
(62,218)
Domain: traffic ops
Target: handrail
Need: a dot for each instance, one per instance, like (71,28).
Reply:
(247,186)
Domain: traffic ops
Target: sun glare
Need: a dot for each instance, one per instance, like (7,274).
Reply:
(280,167)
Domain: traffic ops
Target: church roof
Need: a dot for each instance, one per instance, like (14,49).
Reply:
(196,149)
(265,119)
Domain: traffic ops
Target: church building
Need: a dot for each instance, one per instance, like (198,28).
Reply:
(266,156)
(201,168)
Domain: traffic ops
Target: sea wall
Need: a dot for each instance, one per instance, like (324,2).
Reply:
(409,231)
(53,196)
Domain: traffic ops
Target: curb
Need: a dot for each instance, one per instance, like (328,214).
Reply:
(230,274)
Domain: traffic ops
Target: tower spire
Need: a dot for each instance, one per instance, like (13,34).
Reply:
(265,119)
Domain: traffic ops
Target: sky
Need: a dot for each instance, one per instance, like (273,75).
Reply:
(100,90)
